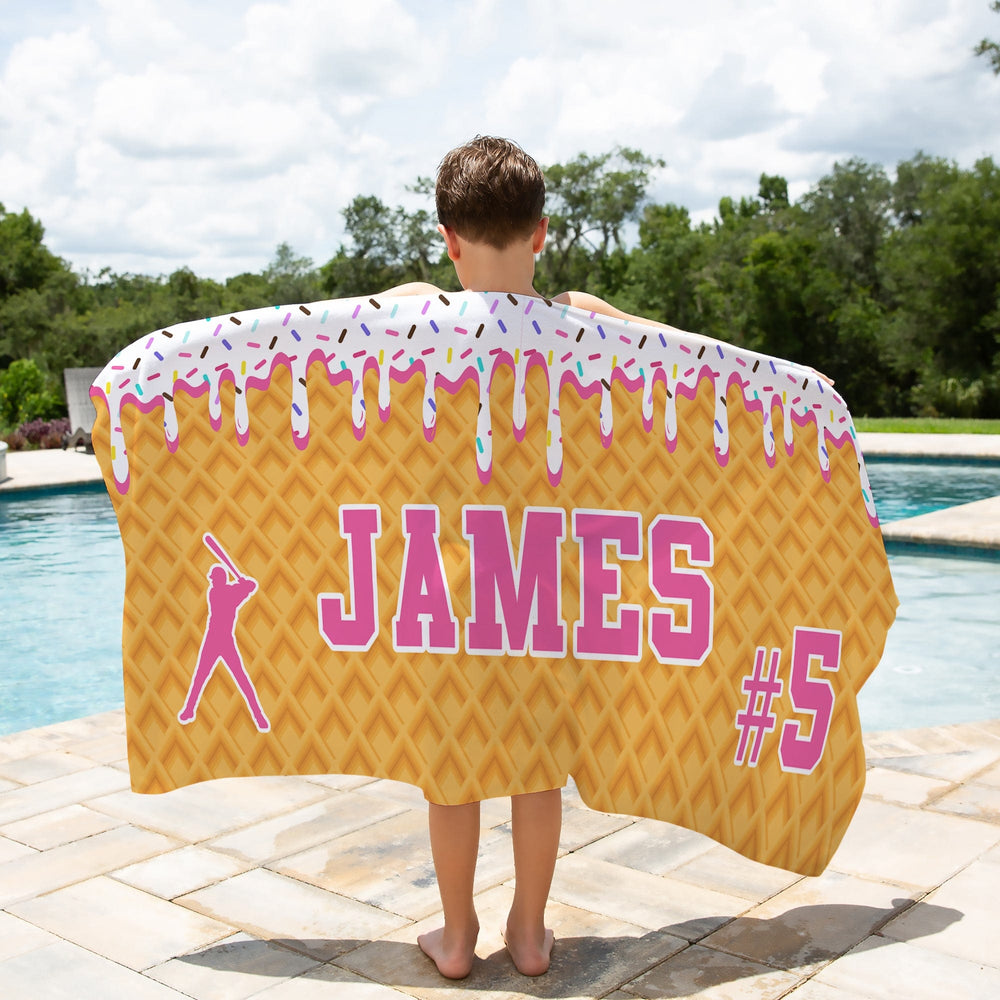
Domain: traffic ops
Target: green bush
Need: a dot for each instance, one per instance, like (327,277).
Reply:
(24,396)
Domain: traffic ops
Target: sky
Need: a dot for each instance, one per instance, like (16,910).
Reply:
(150,135)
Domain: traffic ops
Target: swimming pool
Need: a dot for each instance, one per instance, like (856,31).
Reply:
(63,579)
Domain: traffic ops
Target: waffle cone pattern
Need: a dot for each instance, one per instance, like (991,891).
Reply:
(486,543)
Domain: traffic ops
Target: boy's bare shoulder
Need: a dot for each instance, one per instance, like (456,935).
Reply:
(413,288)
(595,304)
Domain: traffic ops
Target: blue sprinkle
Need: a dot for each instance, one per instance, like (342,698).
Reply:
(226,344)
(600,330)
(434,327)
(295,334)
(159,357)
(295,407)
(774,371)
(718,347)
(663,340)
(538,329)
(368,332)
(432,405)
(500,324)
(461,312)
(718,426)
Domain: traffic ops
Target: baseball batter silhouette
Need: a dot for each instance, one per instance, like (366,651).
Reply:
(228,591)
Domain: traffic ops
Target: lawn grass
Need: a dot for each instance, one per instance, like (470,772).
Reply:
(927,425)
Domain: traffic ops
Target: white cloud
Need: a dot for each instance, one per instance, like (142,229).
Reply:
(149,135)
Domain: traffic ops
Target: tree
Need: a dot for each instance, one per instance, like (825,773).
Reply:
(290,278)
(590,200)
(989,48)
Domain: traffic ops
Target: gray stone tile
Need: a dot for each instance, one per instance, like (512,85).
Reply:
(973,799)
(60,826)
(712,975)
(211,808)
(960,918)
(178,872)
(44,766)
(338,814)
(959,765)
(902,788)
(656,902)
(327,982)
(649,846)
(30,800)
(47,870)
(581,827)
(303,917)
(63,971)
(728,872)
(811,923)
(120,923)
(886,970)
(909,846)
(18,936)
(593,954)
(233,969)
(11,849)
(389,865)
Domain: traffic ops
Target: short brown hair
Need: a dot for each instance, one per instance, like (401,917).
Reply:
(490,191)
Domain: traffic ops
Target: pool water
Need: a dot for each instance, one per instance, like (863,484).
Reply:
(63,579)
(906,488)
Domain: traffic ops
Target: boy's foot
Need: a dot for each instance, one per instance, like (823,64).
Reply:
(452,961)
(530,956)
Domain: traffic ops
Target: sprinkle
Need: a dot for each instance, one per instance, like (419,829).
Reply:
(374,303)
(427,305)
(233,319)
(511,299)
(462,331)
(642,343)
(357,309)
(398,354)
(295,334)
(395,307)
(579,336)
(701,352)
(482,326)
(306,311)
(343,333)
(204,350)
(435,327)
(503,328)
(565,357)
(427,350)
(579,368)
(295,407)
(600,330)
(448,356)
(326,312)
(226,344)
(479,362)
(254,327)
(368,332)
(391,333)
(274,340)
(550,359)
(444,300)
(413,330)
(531,302)
(466,353)
(359,354)
(624,339)
(465,305)
(288,316)
(493,308)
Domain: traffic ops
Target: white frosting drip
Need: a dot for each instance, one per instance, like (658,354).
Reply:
(454,337)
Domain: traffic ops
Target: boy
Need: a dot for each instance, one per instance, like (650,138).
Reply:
(490,196)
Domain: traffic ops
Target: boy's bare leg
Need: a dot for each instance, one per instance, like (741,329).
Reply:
(536,820)
(454,847)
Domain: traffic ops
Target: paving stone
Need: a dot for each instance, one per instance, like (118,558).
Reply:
(712,975)
(726,871)
(977,800)
(63,971)
(11,849)
(109,749)
(120,923)
(233,969)
(44,766)
(299,829)
(179,872)
(303,917)
(886,970)
(211,808)
(398,791)
(60,826)
(958,765)
(810,923)
(593,953)
(910,846)
(340,782)
(656,902)
(898,786)
(44,871)
(6,785)
(18,936)
(389,865)
(812,990)
(581,827)
(327,982)
(30,800)
(991,777)
(960,918)
(649,846)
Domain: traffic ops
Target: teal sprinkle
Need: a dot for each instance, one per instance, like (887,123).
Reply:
(394,308)
(479,361)
(256,321)
(579,368)
(326,312)
(187,333)
(479,445)
(138,388)
(562,315)
(343,365)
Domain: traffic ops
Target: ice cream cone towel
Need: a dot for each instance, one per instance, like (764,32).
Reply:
(481,542)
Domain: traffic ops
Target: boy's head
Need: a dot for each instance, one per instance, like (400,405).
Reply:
(490,191)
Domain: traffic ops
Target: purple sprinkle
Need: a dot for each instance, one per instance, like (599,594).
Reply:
(368,332)
(718,347)
(226,344)
(538,329)
(663,340)
(502,327)
(600,330)
(295,407)
(295,334)
(435,327)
